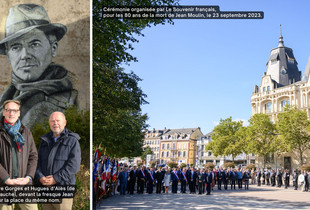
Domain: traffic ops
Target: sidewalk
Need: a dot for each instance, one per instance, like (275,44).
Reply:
(264,197)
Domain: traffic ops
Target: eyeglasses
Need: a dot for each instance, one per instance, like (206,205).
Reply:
(14,111)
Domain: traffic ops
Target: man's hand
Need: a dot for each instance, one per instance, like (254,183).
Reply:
(22,181)
(48,180)
(10,182)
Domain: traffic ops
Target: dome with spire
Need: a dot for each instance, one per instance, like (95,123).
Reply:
(282,65)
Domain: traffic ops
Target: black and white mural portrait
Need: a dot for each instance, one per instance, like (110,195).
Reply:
(30,44)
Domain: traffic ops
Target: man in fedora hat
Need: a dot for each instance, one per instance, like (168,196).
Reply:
(30,43)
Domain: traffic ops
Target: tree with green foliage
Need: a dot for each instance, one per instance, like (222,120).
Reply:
(183,165)
(260,141)
(147,151)
(172,164)
(225,140)
(118,123)
(294,127)
(209,165)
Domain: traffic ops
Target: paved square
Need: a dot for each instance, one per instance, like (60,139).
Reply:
(264,197)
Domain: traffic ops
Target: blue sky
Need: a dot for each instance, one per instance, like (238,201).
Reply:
(196,72)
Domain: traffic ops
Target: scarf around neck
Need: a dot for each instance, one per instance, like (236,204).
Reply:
(13,131)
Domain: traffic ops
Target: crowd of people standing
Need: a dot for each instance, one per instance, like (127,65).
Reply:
(202,180)
(279,178)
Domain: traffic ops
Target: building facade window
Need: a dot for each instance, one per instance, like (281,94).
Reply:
(163,146)
(184,153)
(268,107)
(167,154)
(179,154)
(162,154)
(168,146)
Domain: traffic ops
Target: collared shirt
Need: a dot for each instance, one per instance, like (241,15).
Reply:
(56,138)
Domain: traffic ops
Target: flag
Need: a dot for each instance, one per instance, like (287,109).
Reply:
(114,172)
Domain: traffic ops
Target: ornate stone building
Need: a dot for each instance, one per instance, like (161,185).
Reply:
(152,139)
(282,84)
(179,145)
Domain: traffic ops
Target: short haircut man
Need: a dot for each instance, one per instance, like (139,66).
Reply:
(59,157)
(18,154)
(30,43)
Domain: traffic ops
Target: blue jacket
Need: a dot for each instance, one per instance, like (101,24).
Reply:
(61,159)
(123,177)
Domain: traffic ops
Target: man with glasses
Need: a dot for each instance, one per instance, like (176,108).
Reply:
(18,154)
(30,44)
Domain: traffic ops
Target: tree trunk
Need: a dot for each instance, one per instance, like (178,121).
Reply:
(300,157)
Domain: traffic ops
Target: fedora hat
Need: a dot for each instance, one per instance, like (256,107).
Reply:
(23,18)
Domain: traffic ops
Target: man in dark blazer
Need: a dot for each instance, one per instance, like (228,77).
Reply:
(183,180)
(141,179)
(150,180)
(209,181)
(175,180)
(132,179)
(219,176)
(192,180)
(159,176)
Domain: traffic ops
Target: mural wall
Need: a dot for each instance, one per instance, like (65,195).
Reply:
(45,55)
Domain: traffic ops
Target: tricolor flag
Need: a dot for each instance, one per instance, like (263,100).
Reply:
(114,172)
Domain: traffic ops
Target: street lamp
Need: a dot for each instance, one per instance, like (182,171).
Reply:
(275,147)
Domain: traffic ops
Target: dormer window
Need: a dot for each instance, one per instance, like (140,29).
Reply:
(283,71)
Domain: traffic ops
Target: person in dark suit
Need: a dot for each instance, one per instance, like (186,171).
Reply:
(132,179)
(306,186)
(268,177)
(286,178)
(273,178)
(159,177)
(209,177)
(246,177)
(279,177)
(150,180)
(225,178)
(175,180)
(259,176)
(201,177)
(232,178)
(295,179)
(192,180)
(141,179)
(219,176)
(183,180)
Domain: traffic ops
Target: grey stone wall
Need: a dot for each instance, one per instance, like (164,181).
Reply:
(73,49)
